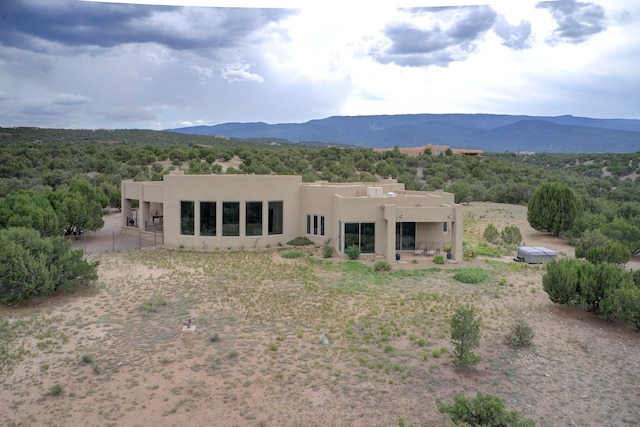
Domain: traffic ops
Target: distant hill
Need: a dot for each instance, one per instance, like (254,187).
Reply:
(488,132)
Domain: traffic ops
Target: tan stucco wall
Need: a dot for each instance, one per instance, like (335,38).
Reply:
(385,204)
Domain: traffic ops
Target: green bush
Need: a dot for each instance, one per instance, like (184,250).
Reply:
(624,304)
(31,265)
(590,239)
(487,251)
(471,275)
(560,281)
(611,253)
(438,259)
(382,265)
(353,252)
(327,249)
(520,334)
(292,254)
(511,235)
(594,287)
(56,389)
(490,233)
(483,410)
(300,241)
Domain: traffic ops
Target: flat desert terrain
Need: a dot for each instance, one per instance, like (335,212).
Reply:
(115,354)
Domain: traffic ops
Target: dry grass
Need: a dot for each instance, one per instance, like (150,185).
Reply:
(256,358)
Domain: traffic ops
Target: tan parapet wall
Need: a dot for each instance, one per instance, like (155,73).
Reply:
(332,204)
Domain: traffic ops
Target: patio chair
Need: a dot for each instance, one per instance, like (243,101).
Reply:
(434,249)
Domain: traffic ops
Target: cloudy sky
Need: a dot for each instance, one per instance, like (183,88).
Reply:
(83,64)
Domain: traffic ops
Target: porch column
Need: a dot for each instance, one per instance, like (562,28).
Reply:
(390,217)
(457,226)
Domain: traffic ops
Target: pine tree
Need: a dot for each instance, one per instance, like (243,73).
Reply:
(465,335)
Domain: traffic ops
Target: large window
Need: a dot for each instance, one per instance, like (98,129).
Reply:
(253,221)
(405,236)
(207,218)
(186,218)
(230,218)
(360,234)
(276,213)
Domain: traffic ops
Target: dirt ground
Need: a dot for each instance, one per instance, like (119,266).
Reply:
(119,356)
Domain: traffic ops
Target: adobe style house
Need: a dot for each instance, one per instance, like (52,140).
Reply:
(254,211)
(436,150)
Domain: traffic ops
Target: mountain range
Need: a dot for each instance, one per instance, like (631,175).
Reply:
(488,132)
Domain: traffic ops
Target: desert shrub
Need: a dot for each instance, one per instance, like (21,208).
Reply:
(511,235)
(292,254)
(590,239)
(31,265)
(438,259)
(353,251)
(611,253)
(465,335)
(561,281)
(327,249)
(597,281)
(300,241)
(87,358)
(470,275)
(624,304)
(573,282)
(382,265)
(491,233)
(56,389)
(483,410)
(520,334)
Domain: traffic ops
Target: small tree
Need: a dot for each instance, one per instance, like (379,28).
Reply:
(461,191)
(80,206)
(465,335)
(491,233)
(484,410)
(553,208)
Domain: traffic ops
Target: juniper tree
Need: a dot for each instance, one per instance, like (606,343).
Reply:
(553,208)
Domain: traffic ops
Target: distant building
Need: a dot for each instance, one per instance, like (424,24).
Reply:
(257,211)
(436,150)
(525,153)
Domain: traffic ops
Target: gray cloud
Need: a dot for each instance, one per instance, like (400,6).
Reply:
(30,24)
(70,99)
(514,36)
(414,46)
(576,21)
